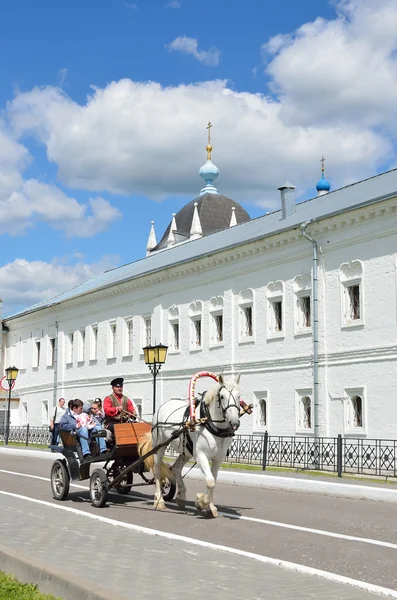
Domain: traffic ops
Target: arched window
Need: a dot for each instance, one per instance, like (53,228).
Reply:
(174,337)
(216,312)
(196,319)
(246,314)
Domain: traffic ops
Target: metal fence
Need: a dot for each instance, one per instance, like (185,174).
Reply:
(27,435)
(338,454)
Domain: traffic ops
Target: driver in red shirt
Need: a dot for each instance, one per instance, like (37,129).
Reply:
(117,407)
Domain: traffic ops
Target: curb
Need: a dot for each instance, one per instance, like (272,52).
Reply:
(272,482)
(50,580)
(292,484)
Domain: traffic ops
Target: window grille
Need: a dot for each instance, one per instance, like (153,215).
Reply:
(305,308)
(306,412)
(197,332)
(148,331)
(247,314)
(113,340)
(354,302)
(94,339)
(278,315)
(218,322)
(262,412)
(175,336)
(130,338)
(52,352)
(357,409)
(37,355)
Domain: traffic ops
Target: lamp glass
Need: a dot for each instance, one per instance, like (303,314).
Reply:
(148,353)
(12,373)
(161,353)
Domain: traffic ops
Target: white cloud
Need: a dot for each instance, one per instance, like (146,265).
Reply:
(35,201)
(141,138)
(132,6)
(189,45)
(30,200)
(338,71)
(25,283)
(173,4)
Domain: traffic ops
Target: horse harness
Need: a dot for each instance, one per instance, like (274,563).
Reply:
(210,424)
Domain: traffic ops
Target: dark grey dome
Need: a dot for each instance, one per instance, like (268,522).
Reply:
(215,212)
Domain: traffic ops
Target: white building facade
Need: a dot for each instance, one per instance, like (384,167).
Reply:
(240,300)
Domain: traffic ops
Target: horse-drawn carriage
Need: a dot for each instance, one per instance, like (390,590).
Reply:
(120,463)
(206,438)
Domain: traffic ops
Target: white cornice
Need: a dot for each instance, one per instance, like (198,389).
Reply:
(268,244)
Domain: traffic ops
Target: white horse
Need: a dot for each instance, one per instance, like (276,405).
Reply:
(209,442)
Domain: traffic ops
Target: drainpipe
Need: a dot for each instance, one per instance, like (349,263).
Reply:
(315,329)
(55,382)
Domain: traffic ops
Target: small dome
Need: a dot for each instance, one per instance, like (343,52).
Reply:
(209,171)
(323,185)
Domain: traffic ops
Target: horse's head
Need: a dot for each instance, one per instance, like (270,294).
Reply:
(227,396)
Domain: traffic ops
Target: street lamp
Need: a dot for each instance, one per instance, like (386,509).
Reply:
(11,375)
(155,358)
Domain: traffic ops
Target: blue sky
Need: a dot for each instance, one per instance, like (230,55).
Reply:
(108,101)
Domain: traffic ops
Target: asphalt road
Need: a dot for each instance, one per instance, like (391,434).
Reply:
(252,519)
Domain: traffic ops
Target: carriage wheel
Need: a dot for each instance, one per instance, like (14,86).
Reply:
(168,489)
(99,489)
(60,480)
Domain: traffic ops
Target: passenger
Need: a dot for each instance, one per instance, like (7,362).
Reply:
(117,407)
(71,422)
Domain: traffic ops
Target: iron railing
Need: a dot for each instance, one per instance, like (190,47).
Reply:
(336,454)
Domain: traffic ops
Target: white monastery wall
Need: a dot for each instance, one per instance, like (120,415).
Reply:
(357,356)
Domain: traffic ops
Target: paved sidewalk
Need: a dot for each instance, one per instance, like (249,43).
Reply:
(136,565)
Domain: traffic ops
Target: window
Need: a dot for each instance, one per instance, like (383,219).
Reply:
(261,411)
(277,306)
(216,311)
(195,314)
(218,320)
(275,294)
(354,302)
(94,342)
(36,354)
(44,412)
(351,276)
(69,342)
(173,319)
(112,349)
(355,414)
(147,322)
(128,337)
(245,301)
(81,346)
(197,333)
(175,336)
(303,316)
(51,357)
(304,411)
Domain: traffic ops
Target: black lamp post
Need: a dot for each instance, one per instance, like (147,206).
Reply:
(155,357)
(11,375)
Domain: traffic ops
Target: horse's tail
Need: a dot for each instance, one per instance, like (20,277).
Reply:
(145,445)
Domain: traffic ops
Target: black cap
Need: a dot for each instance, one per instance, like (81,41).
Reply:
(117,381)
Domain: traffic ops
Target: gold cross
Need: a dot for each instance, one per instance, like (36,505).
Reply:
(322,161)
(209,131)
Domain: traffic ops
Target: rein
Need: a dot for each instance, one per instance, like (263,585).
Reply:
(209,424)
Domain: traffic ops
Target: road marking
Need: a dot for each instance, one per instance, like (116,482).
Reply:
(341,536)
(368,587)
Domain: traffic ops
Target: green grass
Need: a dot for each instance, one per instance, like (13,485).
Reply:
(23,445)
(11,589)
